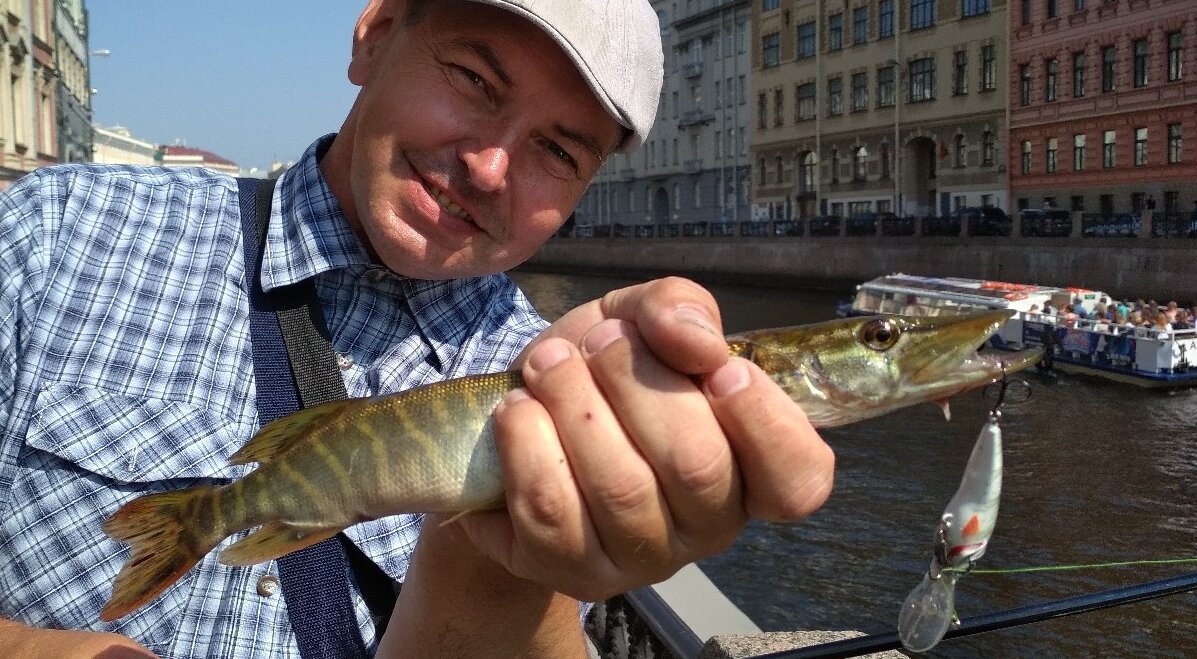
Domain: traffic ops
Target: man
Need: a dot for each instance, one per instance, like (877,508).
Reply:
(636,447)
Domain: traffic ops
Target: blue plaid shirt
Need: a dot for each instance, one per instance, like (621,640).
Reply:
(125,368)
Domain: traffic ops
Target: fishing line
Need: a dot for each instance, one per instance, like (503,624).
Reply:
(1070,566)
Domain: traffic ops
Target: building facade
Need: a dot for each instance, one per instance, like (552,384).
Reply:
(28,89)
(878,106)
(1105,94)
(73,91)
(179,155)
(694,165)
(117,146)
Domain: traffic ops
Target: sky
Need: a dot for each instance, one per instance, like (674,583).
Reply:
(254,81)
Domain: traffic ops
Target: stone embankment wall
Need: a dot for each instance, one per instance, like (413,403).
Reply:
(1160,269)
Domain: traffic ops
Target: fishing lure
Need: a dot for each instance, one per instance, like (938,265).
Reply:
(961,538)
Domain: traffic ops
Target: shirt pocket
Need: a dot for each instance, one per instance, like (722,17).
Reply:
(86,453)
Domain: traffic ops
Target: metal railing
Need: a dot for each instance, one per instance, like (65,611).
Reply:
(1122,225)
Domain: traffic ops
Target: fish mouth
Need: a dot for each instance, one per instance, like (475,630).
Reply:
(942,352)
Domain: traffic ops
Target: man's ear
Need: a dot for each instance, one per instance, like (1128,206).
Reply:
(370,36)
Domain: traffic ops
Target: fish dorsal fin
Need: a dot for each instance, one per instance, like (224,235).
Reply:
(279,435)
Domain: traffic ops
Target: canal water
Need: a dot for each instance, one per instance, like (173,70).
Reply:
(1094,472)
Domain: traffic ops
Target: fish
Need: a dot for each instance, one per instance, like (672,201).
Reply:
(431,449)
(961,538)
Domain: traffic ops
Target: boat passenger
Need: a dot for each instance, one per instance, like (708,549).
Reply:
(1162,328)
(912,307)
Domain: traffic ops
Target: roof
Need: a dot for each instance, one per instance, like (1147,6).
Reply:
(178,151)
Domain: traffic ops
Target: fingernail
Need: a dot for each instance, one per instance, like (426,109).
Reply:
(732,377)
(548,354)
(695,316)
(602,335)
(515,396)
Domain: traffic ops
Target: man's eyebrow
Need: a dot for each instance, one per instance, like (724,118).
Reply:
(583,140)
(487,55)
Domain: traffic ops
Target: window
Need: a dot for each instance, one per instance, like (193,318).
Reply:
(770,49)
(761,104)
(806,101)
(1140,62)
(860,25)
(718,94)
(1078,5)
(1078,75)
(807,172)
(1078,152)
(743,85)
(778,106)
(835,32)
(698,194)
(885,87)
(859,157)
(884,160)
(1140,147)
(960,72)
(922,14)
(1107,148)
(769,5)
(987,149)
(835,96)
(988,68)
(1077,202)
(1052,150)
(958,155)
(806,40)
(860,91)
(922,79)
(885,19)
(764,175)
(1051,8)
(1171,201)
(777,178)
(1026,12)
(1049,82)
(1176,55)
(835,167)
(1174,144)
(1026,157)
(1024,84)
(975,7)
(1106,203)
(1109,57)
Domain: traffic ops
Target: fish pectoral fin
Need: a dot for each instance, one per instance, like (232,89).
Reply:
(279,435)
(273,540)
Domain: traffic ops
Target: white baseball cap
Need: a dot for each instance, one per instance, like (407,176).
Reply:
(616,45)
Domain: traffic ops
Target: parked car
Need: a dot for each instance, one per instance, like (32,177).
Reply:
(1046,222)
(984,220)
(865,224)
(1114,226)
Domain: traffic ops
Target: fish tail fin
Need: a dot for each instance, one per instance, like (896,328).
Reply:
(165,544)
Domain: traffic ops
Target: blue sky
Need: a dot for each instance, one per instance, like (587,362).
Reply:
(252,80)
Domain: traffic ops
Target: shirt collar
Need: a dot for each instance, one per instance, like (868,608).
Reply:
(308,232)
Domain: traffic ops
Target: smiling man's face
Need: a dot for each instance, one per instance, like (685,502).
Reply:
(471,141)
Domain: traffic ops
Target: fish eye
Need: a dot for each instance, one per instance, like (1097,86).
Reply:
(879,335)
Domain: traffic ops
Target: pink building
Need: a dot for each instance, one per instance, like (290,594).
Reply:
(1103,105)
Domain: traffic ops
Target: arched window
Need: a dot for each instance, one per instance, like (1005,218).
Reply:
(859,156)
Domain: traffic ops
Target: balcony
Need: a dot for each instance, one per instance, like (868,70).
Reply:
(695,118)
(627,174)
(692,69)
(692,166)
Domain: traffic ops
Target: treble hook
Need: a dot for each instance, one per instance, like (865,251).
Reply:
(1004,383)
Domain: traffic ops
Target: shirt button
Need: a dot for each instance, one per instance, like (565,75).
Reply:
(376,275)
(344,361)
(268,585)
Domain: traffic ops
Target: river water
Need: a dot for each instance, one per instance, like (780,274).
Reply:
(1094,472)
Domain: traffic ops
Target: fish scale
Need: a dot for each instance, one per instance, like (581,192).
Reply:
(432,449)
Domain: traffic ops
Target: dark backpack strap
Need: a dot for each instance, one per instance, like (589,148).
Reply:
(294,367)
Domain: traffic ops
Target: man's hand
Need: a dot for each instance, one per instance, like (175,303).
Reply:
(31,643)
(639,446)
